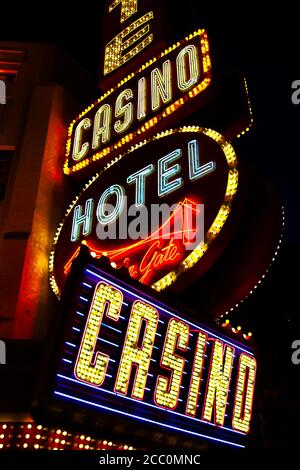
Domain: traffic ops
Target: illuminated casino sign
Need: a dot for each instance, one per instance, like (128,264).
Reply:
(131,32)
(167,88)
(138,365)
(167,206)
(188,175)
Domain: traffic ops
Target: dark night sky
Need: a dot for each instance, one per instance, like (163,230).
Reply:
(263,41)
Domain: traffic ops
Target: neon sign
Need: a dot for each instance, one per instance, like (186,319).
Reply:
(131,32)
(137,42)
(162,248)
(165,89)
(193,170)
(128,356)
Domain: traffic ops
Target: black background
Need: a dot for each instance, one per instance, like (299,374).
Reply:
(263,41)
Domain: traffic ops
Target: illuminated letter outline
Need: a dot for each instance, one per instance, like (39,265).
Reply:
(85,219)
(128,8)
(132,363)
(140,181)
(79,149)
(183,84)
(197,170)
(180,359)
(102,132)
(225,348)
(164,173)
(125,110)
(195,383)
(237,423)
(92,363)
(113,58)
(161,85)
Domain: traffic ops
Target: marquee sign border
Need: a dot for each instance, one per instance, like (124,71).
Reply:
(195,91)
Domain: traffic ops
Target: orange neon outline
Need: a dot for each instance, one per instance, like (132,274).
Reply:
(135,365)
(176,345)
(155,236)
(143,267)
(98,332)
(225,346)
(199,88)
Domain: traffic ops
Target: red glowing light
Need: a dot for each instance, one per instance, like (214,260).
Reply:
(165,247)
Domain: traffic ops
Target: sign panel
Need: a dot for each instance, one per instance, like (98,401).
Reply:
(139,364)
(132,30)
(170,198)
(163,91)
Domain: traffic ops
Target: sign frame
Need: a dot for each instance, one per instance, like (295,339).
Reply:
(159,121)
(223,214)
(51,407)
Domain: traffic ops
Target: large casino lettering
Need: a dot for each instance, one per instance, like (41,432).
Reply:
(131,357)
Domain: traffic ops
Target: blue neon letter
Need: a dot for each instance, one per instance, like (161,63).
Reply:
(195,169)
(85,220)
(140,179)
(103,215)
(165,172)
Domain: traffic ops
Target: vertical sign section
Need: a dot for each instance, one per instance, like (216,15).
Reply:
(128,8)
(90,366)
(218,385)
(244,393)
(167,390)
(142,315)
(149,370)
(131,30)
(194,390)
(135,38)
